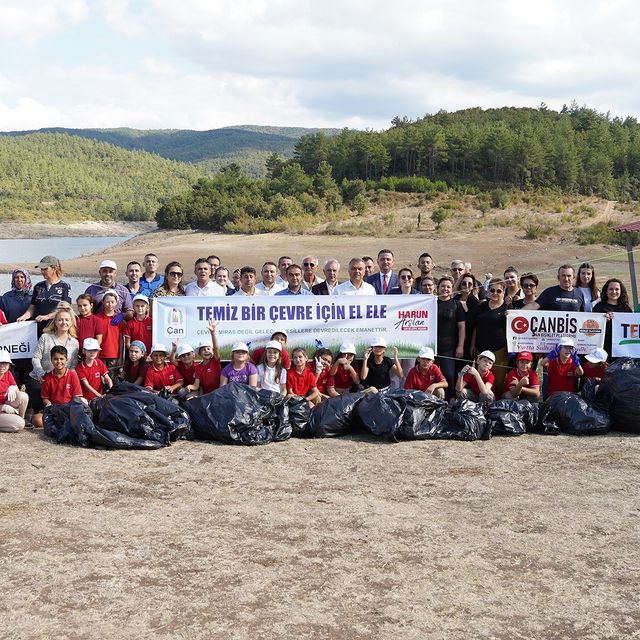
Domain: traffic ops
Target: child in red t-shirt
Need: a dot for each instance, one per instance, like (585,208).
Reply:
(426,375)
(140,326)
(563,367)
(135,368)
(208,371)
(476,383)
(301,381)
(343,369)
(183,357)
(162,374)
(522,382)
(58,386)
(321,367)
(111,333)
(596,364)
(88,325)
(92,372)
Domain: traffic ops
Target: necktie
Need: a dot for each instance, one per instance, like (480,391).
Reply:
(385,283)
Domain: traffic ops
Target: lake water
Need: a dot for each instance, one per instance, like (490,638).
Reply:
(27,251)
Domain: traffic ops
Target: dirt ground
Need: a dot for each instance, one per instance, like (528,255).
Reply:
(349,538)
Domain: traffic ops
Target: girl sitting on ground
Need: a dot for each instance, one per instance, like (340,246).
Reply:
(135,368)
(377,368)
(271,372)
(343,370)
(301,381)
(476,383)
(240,369)
(321,367)
(13,402)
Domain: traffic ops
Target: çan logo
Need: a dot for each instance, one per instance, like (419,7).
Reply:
(176,325)
(519,325)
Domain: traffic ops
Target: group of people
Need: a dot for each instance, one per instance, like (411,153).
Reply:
(107,336)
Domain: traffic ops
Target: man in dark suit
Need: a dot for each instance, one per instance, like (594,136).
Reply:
(331,270)
(385,279)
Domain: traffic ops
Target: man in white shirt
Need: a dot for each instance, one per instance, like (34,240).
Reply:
(203,285)
(248,283)
(355,286)
(269,285)
(310,272)
(283,265)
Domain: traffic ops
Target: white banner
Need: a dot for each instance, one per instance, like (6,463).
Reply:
(19,339)
(408,322)
(539,331)
(625,335)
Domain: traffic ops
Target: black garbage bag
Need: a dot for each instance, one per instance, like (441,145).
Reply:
(545,423)
(299,414)
(141,415)
(72,423)
(423,413)
(240,414)
(122,387)
(381,413)
(619,394)
(589,390)
(573,414)
(462,420)
(334,417)
(510,417)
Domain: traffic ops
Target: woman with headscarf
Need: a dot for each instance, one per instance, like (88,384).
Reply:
(13,304)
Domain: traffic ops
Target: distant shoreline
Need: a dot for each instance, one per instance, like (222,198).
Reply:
(89,228)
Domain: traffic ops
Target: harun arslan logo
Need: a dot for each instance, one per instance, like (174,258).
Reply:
(176,323)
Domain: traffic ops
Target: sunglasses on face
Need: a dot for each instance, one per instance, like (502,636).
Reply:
(308,264)
(495,290)
(175,274)
(406,277)
(466,284)
(529,285)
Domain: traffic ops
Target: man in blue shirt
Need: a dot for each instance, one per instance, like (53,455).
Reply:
(294,278)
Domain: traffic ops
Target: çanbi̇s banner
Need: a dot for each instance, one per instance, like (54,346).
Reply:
(625,335)
(19,339)
(539,331)
(407,322)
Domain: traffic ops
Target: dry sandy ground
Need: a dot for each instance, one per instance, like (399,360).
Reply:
(491,250)
(351,538)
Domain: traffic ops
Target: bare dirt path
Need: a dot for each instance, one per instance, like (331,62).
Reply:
(351,538)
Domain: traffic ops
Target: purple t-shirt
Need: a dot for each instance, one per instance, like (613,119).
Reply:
(239,376)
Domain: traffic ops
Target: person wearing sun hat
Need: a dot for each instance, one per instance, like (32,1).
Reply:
(48,294)
(426,375)
(162,375)
(522,382)
(343,369)
(596,364)
(563,367)
(13,402)
(240,370)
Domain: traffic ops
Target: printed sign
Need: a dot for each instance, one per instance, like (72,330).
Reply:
(19,339)
(625,335)
(407,322)
(539,331)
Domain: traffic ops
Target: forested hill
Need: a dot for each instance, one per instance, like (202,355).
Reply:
(59,178)
(246,145)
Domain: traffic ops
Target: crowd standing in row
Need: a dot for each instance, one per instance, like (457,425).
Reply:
(81,351)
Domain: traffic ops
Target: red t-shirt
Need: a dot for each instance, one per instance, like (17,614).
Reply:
(514,376)
(158,379)
(111,337)
(324,380)
(88,327)
(593,370)
(257,356)
(472,383)
(209,375)
(60,390)
(139,330)
(299,384)
(188,375)
(562,377)
(343,378)
(421,381)
(3,318)
(6,381)
(93,375)
(133,371)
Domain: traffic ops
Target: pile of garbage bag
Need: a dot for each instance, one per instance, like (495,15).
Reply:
(128,418)
(619,394)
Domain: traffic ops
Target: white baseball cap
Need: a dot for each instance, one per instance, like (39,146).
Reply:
(184,348)
(488,354)
(379,342)
(348,347)
(566,342)
(158,346)
(426,352)
(240,346)
(597,356)
(108,264)
(90,344)
(273,344)
(5,357)
(140,296)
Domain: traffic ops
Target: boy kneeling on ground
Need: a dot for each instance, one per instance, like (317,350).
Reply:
(475,383)
(58,386)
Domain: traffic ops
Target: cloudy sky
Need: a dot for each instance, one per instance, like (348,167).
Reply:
(204,64)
